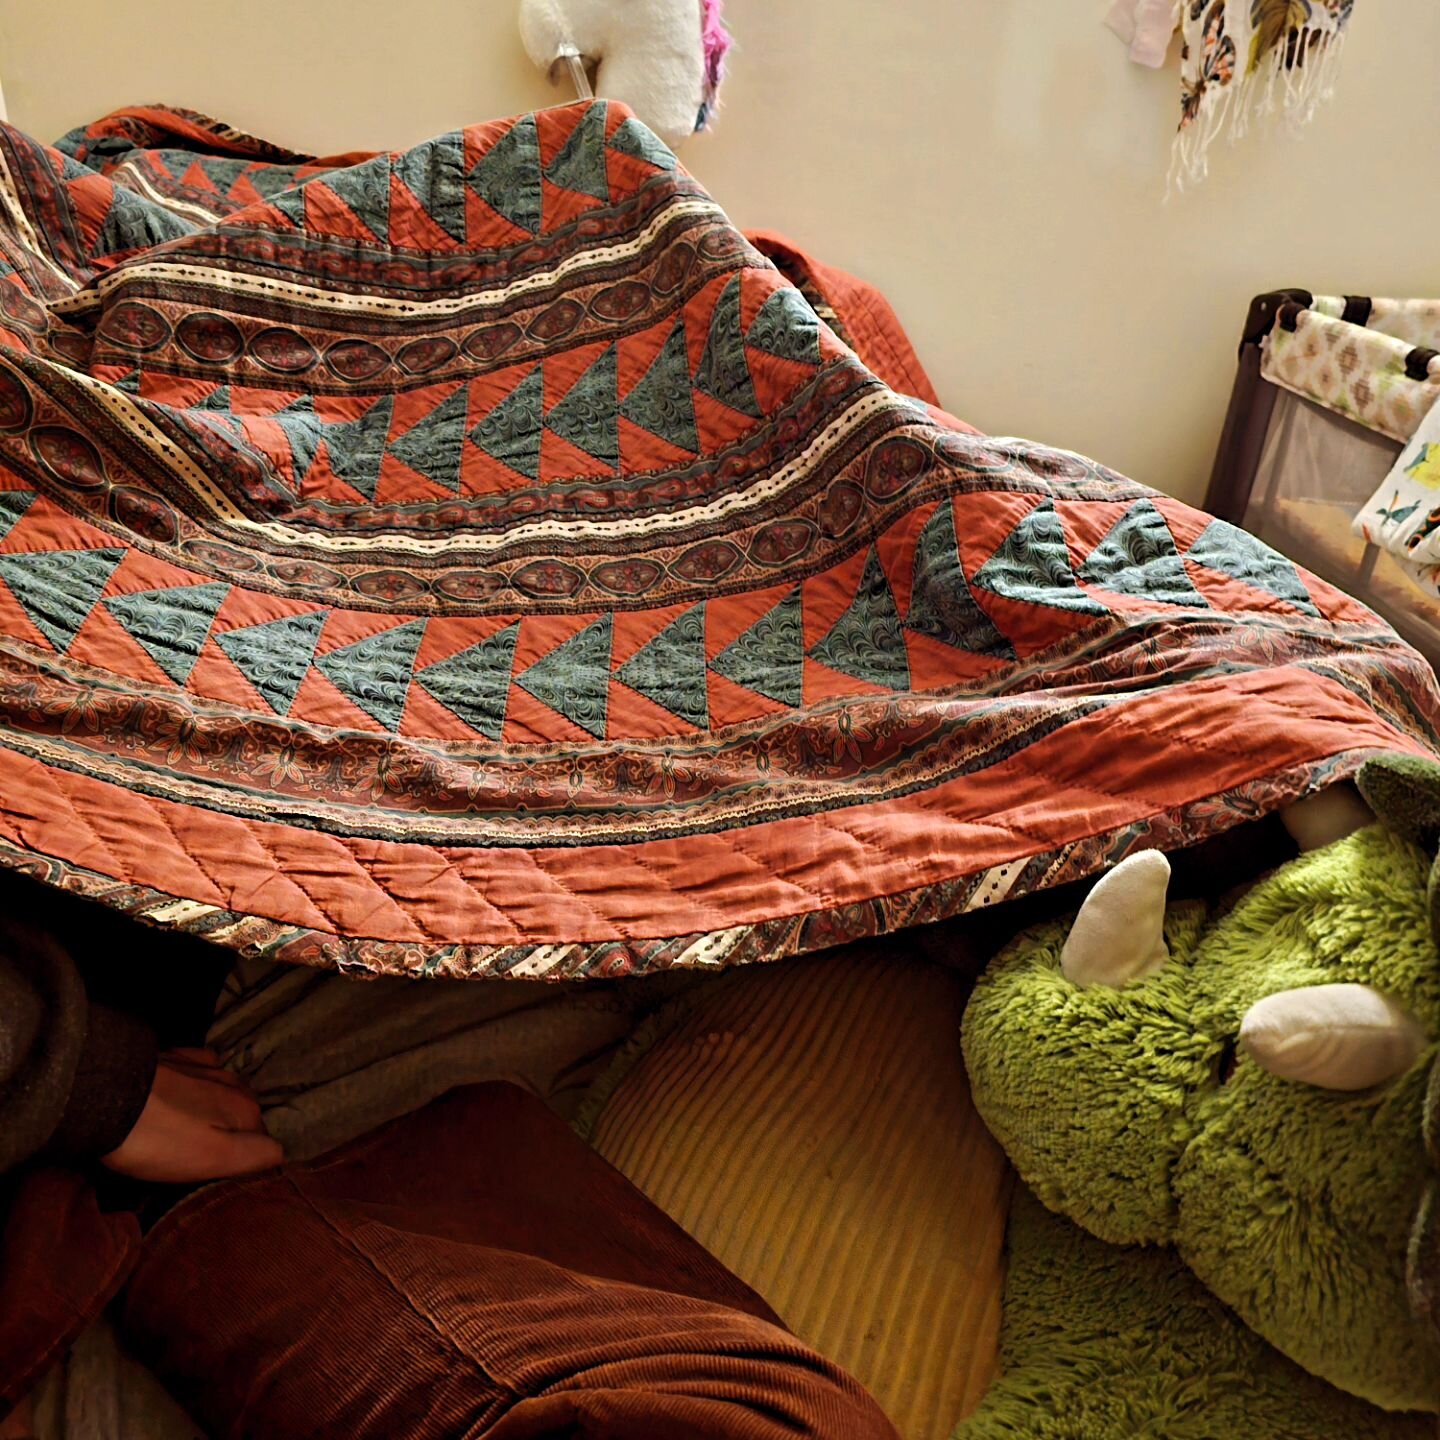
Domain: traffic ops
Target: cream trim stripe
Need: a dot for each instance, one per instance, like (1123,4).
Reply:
(246,285)
(133,419)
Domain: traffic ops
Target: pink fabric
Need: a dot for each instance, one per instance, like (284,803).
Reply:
(1146,27)
(716,40)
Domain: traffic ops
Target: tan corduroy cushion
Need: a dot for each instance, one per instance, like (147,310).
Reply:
(810,1124)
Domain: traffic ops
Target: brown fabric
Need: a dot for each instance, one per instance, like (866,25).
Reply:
(73,1080)
(61,1260)
(473,1270)
(42,1032)
(109,1088)
(73,1075)
(330,1059)
(75,1071)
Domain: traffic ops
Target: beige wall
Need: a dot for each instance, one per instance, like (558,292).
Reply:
(996,165)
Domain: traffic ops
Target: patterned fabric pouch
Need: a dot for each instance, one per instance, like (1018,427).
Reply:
(1403,515)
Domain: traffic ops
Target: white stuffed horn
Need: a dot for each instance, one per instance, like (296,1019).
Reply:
(1339,1037)
(1119,934)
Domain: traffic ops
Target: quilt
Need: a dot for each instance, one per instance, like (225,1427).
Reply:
(479,560)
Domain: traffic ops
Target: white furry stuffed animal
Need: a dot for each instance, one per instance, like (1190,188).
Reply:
(661,57)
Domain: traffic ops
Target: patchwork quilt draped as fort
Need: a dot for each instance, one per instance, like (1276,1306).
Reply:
(478,559)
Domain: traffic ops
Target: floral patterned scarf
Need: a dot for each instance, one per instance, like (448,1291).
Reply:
(1241,58)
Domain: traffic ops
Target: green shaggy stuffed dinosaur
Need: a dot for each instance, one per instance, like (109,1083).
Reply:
(1239,1112)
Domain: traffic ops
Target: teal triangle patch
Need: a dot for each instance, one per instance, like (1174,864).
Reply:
(641,143)
(580,165)
(786,326)
(223,172)
(272,180)
(357,446)
(670,669)
(1138,557)
(434,443)
(129,383)
(574,678)
(303,428)
(475,684)
(365,189)
(724,374)
(59,588)
(291,204)
(13,504)
(769,657)
(866,641)
(1232,551)
(274,656)
(507,176)
(435,174)
(72,169)
(219,400)
(133,223)
(170,625)
(941,605)
(586,414)
(510,433)
(1033,565)
(214,409)
(660,401)
(375,672)
(244,167)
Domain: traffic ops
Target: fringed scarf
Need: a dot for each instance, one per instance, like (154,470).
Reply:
(1243,58)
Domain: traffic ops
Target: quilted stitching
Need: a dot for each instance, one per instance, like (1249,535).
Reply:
(419,423)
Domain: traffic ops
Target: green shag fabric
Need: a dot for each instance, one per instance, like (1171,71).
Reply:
(1133,1113)
(1404,791)
(1108,1342)
(1423,1260)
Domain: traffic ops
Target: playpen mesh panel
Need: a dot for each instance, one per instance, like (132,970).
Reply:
(1316,470)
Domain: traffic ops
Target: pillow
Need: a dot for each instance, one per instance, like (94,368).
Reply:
(811,1125)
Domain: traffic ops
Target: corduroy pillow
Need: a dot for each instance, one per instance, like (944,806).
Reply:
(810,1124)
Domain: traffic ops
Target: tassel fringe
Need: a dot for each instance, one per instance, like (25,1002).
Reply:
(1294,90)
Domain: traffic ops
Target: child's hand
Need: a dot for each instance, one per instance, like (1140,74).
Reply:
(200,1123)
